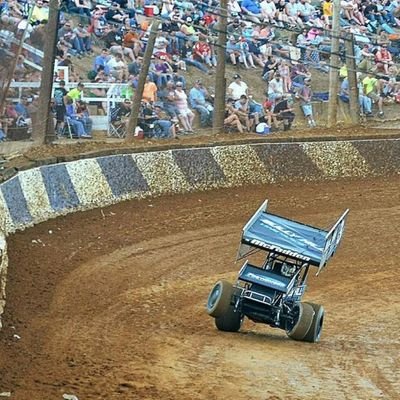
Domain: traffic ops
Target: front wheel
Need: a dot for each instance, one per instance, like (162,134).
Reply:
(314,333)
(304,314)
(230,321)
(219,299)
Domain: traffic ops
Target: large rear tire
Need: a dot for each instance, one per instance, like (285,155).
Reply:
(219,299)
(230,321)
(305,318)
(314,333)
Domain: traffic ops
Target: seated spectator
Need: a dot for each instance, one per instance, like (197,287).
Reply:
(232,50)
(364,101)
(81,7)
(117,67)
(202,53)
(115,13)
(283,110)
(198,98)
(270,67)
(163,123)
(167,96)
(83,37)
(21,109)
(75,119)
(120,114)
(101,61)
(293,14)
(40,13)
(231,118)
(185,114)
(161,71)
(245,55)
(268,115)
(237,88)
(252,10)
(246,117)
(383,59)
(275,89)
(83,112)
(268,11)
(76,93)
(372,89)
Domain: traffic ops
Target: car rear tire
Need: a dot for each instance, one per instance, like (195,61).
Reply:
(230,321)
(314,333)
(219,299)
(302,325)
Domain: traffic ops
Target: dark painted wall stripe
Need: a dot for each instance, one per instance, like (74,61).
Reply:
(287,162)
(59,187)
(199,166)
(123,175)
(16,201)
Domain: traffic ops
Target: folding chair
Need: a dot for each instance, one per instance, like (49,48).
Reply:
(116,129)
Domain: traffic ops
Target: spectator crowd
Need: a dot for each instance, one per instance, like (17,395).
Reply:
(284,41)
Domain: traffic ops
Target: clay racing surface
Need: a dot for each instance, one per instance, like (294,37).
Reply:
(110,304)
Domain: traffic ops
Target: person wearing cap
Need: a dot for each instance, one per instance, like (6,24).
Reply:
(232,50)
(83,36)
(163,125)
(198,96)
(237,88)
(248,119)
(364,101)
(167,96)
(115,13)
(59,102)
(283,111)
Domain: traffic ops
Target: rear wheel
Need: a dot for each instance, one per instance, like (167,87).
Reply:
(301,326)
(219,299)
(230,321)
(314,333)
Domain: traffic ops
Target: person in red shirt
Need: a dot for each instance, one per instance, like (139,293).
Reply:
(383,59)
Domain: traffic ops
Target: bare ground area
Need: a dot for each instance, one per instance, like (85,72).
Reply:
(110,304)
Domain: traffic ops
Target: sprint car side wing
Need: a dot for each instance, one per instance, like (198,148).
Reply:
(290,238)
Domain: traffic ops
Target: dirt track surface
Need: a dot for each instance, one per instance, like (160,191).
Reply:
(110,305)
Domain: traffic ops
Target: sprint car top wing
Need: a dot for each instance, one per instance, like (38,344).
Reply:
(290,238)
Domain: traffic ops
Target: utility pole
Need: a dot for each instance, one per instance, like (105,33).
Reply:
(352,77)
(220,82)
(334,65)
(133,118)
(45,130)
(6,88)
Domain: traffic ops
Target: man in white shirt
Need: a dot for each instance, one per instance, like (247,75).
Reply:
(117,67)
(237,88)
(268,11)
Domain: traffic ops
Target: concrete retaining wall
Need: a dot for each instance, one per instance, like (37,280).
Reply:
(48,191)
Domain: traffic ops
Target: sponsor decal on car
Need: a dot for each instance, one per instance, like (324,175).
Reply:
(278,249)
(265,279)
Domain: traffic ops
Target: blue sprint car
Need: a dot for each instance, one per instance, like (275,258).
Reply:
(269,289)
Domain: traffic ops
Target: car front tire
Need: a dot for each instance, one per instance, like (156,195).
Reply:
(219,299)
(301,327)
(314,333)
(230,321)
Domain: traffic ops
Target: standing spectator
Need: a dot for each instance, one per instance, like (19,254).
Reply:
(59,102)
(198,96)
(149,91)
(305,95)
